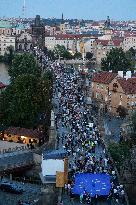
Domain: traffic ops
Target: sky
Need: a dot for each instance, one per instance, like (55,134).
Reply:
(81,9)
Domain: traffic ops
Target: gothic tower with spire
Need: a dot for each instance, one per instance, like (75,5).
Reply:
(62,25)
(38,33)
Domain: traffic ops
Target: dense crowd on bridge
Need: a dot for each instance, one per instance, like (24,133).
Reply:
(79,135)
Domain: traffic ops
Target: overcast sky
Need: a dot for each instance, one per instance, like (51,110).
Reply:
(86,9)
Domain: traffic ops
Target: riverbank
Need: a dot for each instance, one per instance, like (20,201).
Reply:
(4,77)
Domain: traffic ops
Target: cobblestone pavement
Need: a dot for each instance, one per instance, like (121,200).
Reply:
(112,128)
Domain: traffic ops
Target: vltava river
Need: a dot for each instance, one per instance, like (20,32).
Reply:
(4,77)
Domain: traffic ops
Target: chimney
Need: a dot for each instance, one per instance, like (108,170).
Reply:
(128,74)
(120,74)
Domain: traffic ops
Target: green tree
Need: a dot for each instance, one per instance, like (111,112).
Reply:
(133,119)
(23,100)
(23,64)
(51,55)
(117,60)
(122,111)
(45,50)
(119,152)
(8,56)
(89,55)
(133,51)
(130,55)
(61,52)
(77,55)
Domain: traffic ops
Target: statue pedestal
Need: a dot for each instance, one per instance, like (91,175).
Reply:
(52,134)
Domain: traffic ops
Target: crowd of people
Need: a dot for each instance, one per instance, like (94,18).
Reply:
(79,135)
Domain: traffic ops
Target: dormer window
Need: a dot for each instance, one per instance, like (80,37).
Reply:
(115,86)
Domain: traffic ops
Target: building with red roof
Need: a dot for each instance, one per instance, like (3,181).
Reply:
(69,41)
(122,92)
(100,87)
(129,41)
(111,91)
(23,135)
(102,47)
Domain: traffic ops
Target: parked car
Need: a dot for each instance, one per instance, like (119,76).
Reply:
(11,188)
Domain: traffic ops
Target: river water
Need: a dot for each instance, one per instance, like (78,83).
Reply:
(4,77)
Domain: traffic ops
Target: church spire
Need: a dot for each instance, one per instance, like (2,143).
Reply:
(62,19)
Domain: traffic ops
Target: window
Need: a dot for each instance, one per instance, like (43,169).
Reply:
(97,95)
(128,96)
(35,141)
(98,86)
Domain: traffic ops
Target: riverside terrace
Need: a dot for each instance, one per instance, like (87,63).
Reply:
(10,162)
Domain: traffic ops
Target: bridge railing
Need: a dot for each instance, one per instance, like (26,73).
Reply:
(14,149)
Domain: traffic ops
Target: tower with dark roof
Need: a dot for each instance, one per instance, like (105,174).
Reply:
(62,25)
(62,19)
(38,32)
(107,22)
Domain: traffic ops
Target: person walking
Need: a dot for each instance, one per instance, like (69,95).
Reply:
(81,198)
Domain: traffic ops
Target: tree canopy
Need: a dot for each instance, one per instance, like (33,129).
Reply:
(134,122)
(61,52)
(77,55)
(24,99)
(122,111)
(28,96)
(8,56)
(117,60)
(119,152)
(23,64)
(89,55)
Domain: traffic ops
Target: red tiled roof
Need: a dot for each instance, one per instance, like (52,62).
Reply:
(129,85)
(67,36)
(115,42)
(2,85)
(95,24)
(23,132)
(129,34)
(102,42)
(104,77)
(70,36)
